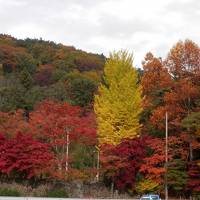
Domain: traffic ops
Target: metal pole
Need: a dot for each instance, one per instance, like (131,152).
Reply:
(97,165)
(166,155)
(67,152)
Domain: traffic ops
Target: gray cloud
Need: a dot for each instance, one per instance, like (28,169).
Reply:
(104,25)
(114,26)
(187,8)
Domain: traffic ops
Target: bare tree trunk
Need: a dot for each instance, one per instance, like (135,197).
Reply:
(190,148)
(67,154)
(112,189)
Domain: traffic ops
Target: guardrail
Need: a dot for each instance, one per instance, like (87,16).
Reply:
(49,198)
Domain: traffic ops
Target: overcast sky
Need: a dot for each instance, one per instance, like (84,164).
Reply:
(101,26)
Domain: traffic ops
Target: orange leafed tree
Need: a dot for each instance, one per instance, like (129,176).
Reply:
(155,78)
(13,122)
(156,81)
(184,60)
(153,166)
(178,102)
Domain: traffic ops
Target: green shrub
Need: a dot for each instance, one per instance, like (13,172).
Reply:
(57,193)
(9,192)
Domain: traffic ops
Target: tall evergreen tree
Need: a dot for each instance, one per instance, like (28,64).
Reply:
(118,103)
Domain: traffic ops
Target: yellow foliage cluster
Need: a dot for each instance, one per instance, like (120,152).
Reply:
(118,103)
(147,186)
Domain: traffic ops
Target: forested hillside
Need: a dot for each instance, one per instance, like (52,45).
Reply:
(68,115)
(33,70)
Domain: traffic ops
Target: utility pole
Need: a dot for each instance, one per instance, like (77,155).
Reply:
(166,155)
(67,148)
(98,165)
(67,152)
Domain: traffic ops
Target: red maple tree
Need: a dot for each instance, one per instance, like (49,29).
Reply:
(24,157)
(121,163)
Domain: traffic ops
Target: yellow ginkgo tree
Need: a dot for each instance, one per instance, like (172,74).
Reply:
(118,102)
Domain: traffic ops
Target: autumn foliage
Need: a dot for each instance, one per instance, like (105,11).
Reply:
(64,118)
(194,176)
(60,125)
(118,103)
(23,157)
(121,163)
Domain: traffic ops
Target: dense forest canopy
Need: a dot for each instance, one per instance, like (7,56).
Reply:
(63,110)
(33,70)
